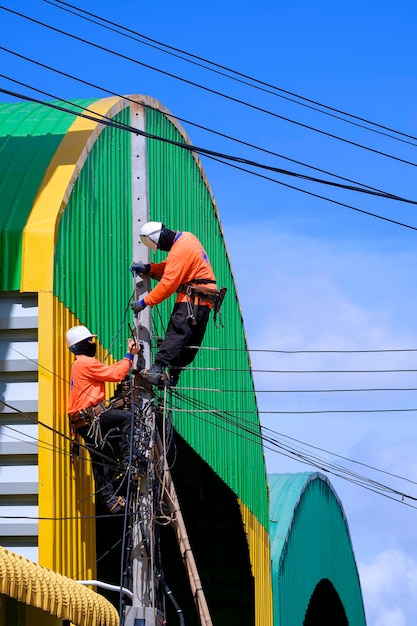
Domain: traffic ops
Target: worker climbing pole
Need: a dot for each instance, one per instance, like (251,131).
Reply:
(153,501)
(187,272)
(140,417)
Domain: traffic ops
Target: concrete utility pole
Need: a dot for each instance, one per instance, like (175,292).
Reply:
(143,611)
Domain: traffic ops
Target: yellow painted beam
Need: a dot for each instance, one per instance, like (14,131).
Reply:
(66,538)
(40,232)
(260,557)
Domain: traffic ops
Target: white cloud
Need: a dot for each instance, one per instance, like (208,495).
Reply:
(389,589)
(301,293)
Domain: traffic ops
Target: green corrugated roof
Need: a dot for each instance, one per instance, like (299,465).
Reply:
(29,137)
(94,245)
(217,411)
(92,256)
(310,542)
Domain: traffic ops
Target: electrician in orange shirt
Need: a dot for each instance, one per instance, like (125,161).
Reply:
(92,417)
(188,272)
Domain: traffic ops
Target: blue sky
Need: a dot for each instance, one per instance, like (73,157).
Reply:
(311,275)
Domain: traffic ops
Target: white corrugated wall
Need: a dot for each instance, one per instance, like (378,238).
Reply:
(18,424)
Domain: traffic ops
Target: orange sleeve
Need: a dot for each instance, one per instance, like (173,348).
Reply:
(175,268)
(157,268)
(109,373)
(186,261)
(88,376)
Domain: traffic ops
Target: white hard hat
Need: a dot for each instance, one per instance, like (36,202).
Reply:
(76,334)
(150,233)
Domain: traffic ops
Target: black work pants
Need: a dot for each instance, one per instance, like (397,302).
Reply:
(174,349)
(115,427)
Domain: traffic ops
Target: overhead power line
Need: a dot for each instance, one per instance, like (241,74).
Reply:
(181,119)
(298,412)
(250,391)
(212,154)
(206,151)
(270,439)
(316,195)
(269,371)
(318,351)
(250,431)
(207,89)
(211,65)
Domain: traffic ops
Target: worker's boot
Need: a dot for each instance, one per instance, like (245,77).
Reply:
(155,374)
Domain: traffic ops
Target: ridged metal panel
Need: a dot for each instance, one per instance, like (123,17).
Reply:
(219,418)
(18,424)
(29,136)
(51,594)
(310,542)
(260,556)
(93,250)
(66,486)
(92,286)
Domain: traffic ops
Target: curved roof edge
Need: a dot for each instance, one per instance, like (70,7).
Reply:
(153,103)
(53,593)
(310,543)
(286,491)
(39,234)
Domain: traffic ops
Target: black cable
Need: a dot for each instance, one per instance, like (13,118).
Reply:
(376,469)
(299,412)
(285,390)
(128,498)
(238,422)
(210,130)
(100,455)
(210,154)
(165,48)
(207,89)
(242,391)
(213,154)
(171,597)
(365,482)
(268,350)
(118,330)
(248,429)
(315,195)
(262,371)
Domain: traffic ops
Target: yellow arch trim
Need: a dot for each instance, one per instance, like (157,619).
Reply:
(55,594)
(40,232)
(260,557)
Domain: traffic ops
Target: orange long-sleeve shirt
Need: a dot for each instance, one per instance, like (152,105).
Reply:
(186,261)
(88,376)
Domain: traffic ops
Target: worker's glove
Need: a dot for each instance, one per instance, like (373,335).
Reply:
(138,306)
(139,267)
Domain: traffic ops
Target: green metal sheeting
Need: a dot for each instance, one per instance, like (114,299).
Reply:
(94,247)
(92,255)
(218,415)
(29,136)
(310,543)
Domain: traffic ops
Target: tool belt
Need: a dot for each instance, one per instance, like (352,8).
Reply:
(197,293)
(90,417)
(87,416)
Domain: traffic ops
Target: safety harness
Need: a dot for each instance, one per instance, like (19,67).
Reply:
(198,294)
(90,417)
